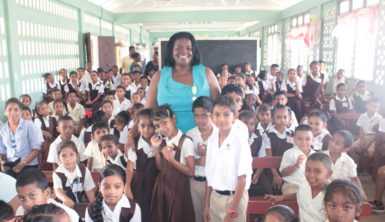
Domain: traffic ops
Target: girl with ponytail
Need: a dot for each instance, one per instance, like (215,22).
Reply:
(111,203)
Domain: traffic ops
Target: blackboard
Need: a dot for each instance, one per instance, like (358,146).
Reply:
(217,52)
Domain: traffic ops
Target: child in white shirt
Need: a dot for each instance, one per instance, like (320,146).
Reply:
(111,151)
(293,161)
(93,151)
(228,166)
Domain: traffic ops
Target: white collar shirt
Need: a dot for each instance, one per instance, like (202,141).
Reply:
(318,140)
(187,148)
(343,168)
(225,163)
(382,126)
(310,209)
(53,156)
(147,149)
(367,123)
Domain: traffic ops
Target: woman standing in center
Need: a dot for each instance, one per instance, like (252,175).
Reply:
(182,80)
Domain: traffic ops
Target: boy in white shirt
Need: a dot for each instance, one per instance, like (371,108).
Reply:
(228,166)
(368,123)
(76,111)
(32,188)
(293,161)
(111,151)
(93,151)
(66,130)
(121,103)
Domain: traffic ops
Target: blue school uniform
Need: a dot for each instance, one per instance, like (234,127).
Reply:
(180,96)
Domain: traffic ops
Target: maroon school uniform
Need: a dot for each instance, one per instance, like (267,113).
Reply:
(93,94)
(171,198)
(46,144)
(264,181)
(335,124)
(68,191)
(143,182)
(311,92)
(294,102)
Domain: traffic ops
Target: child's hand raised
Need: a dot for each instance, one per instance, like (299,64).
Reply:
(156,141)
(167,153)
(299,160)
(275,199)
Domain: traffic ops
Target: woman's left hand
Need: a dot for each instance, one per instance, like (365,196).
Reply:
(18,167)
(167,152)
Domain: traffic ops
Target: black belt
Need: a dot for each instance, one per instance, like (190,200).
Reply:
(225,192)
(200,179)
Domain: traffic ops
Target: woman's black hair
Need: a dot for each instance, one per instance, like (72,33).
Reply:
(13,100)
(162,112)
(204,102)
(123,117)
(226,101)
(6,211)
(66,144)
(109,170)
(348,137)
(349,190)
(284,213)
(43,213)
(169,59)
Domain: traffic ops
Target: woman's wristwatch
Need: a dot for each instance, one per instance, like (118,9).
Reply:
(233,213)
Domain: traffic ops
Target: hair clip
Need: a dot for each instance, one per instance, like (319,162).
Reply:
(168,112)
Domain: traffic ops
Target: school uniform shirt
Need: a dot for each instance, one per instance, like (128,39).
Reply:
(282,135)
(117,159)
(116,80)
(196,137)
(53,156)
(123,135)
(344,100)
(317,79)
(96,86)
(131,124)
(82,87)
(281,86)
(382,126)
(226,163)
(253,90)
(87,76)
(262,131)
(74,217)
(270,77)
(50,85)
(72,177)
(7,187)
(38,122)
(318,140)
(122,106)
(147,149)
(289,158)
(336,82)
(114,216)
(76,113)
(65,84)
(294,85)
(262,150)
(84,81)
(367,123)
(343,168)
(83,132)
(310,209)
(21,143)
(242,129)
(98,160)
(267,85)
(187,146)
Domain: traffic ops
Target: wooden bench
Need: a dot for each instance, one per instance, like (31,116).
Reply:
(258,205)
(48,175)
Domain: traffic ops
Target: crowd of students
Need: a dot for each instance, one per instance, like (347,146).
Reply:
(84,123)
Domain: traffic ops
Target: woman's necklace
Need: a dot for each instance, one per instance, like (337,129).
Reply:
(194,92)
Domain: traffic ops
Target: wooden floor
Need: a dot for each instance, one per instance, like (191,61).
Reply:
(369,187)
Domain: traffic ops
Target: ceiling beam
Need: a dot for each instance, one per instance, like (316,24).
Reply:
(197,16)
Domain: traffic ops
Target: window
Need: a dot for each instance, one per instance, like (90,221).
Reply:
(356,33)
(273,45)
(297,41)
